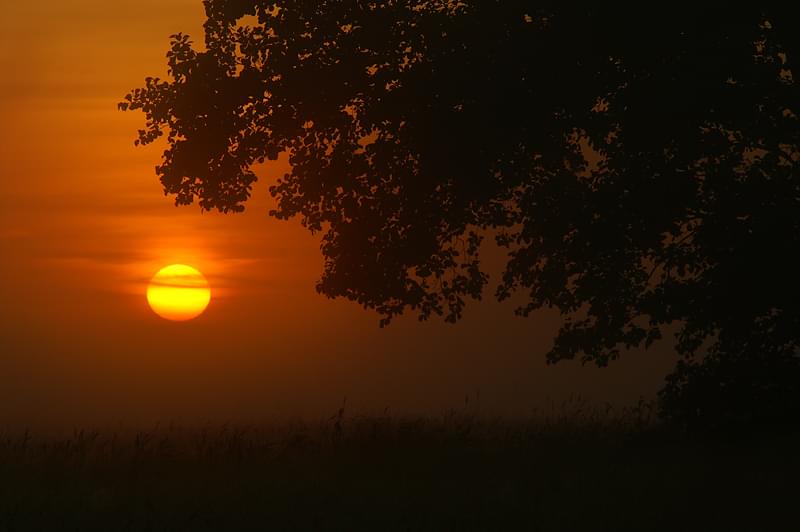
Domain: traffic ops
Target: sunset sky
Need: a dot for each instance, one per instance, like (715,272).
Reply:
(84,225)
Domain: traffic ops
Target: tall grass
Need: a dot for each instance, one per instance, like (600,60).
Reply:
(567,467)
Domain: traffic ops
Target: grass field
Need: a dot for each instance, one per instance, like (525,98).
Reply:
(575,471)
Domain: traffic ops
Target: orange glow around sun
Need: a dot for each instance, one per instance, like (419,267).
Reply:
(178,292)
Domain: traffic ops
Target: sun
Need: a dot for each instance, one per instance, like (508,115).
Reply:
(178,292)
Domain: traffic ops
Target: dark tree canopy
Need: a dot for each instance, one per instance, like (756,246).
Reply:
(639,164)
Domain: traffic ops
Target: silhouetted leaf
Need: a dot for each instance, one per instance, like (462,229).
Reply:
(638,164)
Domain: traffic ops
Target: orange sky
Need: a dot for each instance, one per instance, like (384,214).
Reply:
(84,224)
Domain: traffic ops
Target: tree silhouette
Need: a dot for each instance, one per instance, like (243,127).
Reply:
(639,165)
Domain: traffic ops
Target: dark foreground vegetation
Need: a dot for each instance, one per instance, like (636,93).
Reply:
(577,471)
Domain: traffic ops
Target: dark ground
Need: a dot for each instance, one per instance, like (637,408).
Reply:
(456,472)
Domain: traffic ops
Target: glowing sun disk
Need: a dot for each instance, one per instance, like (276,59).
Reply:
(178,292)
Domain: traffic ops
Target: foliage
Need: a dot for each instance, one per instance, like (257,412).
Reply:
(638,164)
(388,473)
(728,393)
